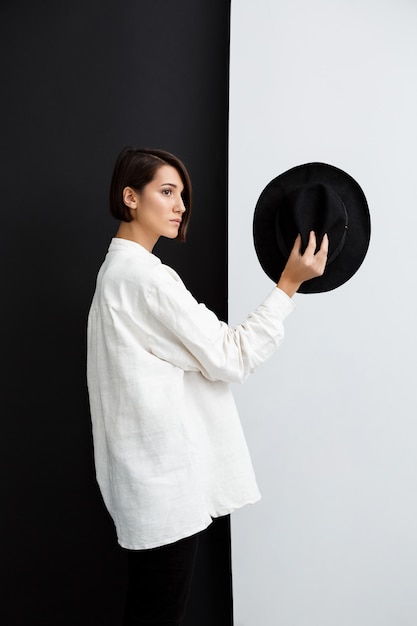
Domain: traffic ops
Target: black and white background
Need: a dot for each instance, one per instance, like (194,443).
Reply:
(241,91)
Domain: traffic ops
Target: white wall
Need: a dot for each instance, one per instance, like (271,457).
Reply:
(331,419)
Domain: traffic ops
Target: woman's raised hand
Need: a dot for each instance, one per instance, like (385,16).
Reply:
(302,267)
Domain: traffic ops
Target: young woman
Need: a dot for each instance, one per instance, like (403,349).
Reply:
(169,450)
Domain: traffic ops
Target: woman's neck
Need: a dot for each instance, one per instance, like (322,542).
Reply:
(130,231)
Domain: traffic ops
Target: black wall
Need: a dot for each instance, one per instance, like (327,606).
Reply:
(79,81)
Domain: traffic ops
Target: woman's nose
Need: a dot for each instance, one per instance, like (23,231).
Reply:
(180,205)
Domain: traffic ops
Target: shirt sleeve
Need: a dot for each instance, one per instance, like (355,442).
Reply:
(195,339)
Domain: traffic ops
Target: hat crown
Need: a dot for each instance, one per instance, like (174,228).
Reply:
(312,206)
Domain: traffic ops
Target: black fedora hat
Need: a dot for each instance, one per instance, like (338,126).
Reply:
(319,197)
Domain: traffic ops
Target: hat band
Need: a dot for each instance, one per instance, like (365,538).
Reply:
(336,250)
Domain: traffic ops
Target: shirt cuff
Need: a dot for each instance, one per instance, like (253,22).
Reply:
(280,303)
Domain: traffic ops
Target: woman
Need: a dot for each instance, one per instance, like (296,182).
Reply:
(169,450)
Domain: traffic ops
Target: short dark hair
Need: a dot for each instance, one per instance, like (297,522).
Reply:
(136,167)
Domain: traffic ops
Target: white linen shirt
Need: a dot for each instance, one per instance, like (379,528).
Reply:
(169,450)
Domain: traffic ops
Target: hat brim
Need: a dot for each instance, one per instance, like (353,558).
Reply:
(271,201)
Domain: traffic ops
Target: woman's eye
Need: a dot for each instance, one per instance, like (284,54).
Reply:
(167,192)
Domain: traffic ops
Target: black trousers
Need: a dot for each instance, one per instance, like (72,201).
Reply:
(159,582)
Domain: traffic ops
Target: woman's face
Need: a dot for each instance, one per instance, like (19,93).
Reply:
(159,207)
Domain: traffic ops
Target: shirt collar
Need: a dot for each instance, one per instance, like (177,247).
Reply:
(117,243)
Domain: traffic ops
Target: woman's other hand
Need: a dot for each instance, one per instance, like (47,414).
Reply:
(302,267)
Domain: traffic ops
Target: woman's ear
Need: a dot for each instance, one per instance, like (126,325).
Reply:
(130,198)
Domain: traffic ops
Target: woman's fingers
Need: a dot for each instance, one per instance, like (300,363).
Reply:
(312,243)
(315,262)
(321,255)
(302,267)
(324,247)
(296,249)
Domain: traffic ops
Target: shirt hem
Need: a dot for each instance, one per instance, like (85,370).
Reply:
(164,542)
(189,533)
